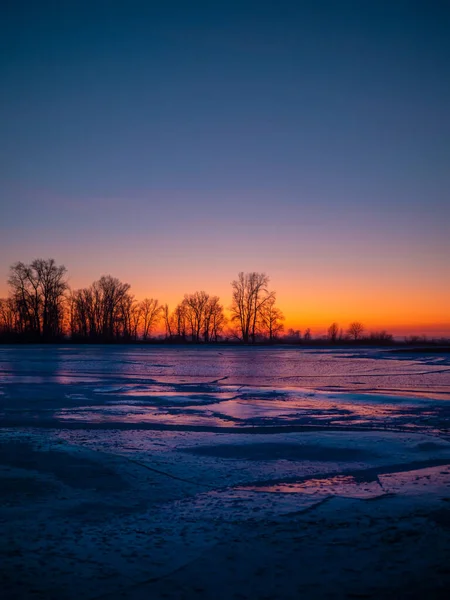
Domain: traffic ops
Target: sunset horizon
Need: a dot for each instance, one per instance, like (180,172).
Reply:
(316,311)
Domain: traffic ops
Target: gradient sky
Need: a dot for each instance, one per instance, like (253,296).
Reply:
(173,144)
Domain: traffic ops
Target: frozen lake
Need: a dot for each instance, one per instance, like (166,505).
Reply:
(217,473)
(222,387)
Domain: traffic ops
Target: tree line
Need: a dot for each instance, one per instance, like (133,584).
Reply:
(42,307)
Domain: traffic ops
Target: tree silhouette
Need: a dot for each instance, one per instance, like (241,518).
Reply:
(333,332)
(271,319)
(150,313)
(195,310)
(381,337)
(8,316)
(249,295)
(37,292)
(214,321)
(167,322)
(355,330)
(102,311)
(199,316)
(293,335)
(41,307)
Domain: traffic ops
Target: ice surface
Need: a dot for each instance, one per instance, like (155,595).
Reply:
(232,387)
(149,472)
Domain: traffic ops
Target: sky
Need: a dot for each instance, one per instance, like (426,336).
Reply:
(174,144)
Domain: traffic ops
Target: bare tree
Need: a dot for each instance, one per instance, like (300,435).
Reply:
(195,310)
(38,292)
(215,320)
(52,285)
(180,321)
(250,293)
(381,337)
(355,330)
(135,319)
(103,311)
(125,320)
(271,319)
(112,293)
(84,314)
(333,332)
(199,316)
(167,321)
(8,316)
(26,298)
(293,335)
(151,312)
(307,336)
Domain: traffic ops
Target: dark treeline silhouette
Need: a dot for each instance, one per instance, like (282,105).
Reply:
(41,307)
(198,318)
(36,306)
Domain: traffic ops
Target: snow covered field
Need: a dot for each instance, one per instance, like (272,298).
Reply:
(154,472)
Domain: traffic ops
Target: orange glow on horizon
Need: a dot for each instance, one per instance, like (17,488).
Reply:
(399,311)
(387,302)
